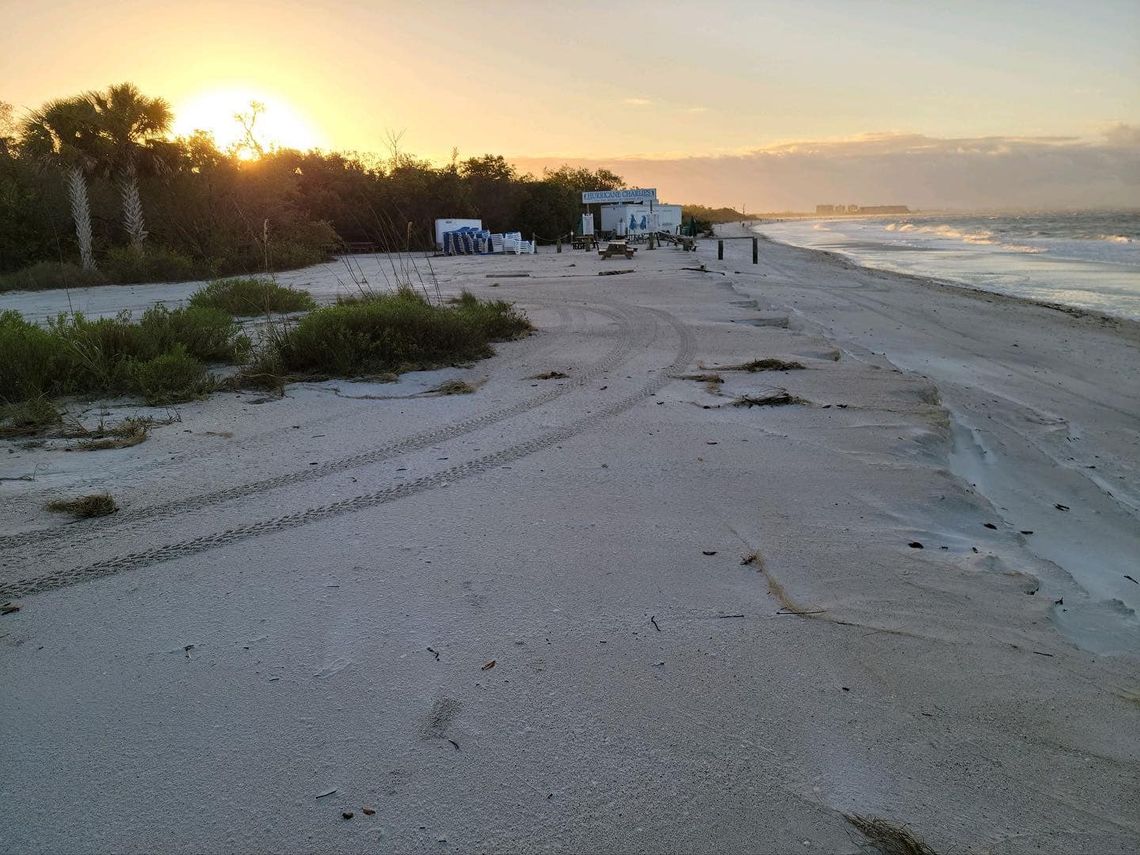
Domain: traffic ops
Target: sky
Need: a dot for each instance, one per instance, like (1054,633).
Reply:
(771,105)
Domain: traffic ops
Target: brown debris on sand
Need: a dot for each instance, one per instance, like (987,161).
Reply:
(757,365)
(95,505)
(549,375)
(453,387)
(888,838)
(778,398)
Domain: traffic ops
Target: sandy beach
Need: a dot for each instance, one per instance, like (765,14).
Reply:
(626,609)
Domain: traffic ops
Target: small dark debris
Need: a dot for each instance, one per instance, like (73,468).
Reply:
(488,666)
(9,608)
(710,442)
(914,544)
(1027,531)
(434,653)
(348,814)
(653,620)
(454,744)
(845,688)
(1061,507)
(1060,601)
(1039,653)
(990,525)
(1130,579)
(326,793)
(368,811)
(708,552)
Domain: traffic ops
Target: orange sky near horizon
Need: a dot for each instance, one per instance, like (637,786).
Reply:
(592,80)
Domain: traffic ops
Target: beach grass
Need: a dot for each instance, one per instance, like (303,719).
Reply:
(161,357)
(95,505)
(252,295)
(382,334)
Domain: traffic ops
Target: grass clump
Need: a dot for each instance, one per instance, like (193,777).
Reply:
(454,387)
(125,434)
(550,375)
(888,838)
(385,333)
(28,418)
(252,295)
(161,357)
(96,505)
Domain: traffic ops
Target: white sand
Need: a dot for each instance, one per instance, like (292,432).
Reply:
(542,524)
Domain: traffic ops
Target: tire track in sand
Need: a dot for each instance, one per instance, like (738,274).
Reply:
(685,349)
(413,442)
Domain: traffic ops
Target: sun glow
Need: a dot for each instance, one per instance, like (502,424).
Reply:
(279,125)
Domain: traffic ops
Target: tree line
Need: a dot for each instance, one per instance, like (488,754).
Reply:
(93,189)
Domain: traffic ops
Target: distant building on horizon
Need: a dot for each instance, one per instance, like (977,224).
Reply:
(829,210)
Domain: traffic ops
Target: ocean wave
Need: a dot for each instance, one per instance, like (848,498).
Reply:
(1115,238)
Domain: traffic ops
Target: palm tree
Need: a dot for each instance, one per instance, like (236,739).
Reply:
(62,134)
(130,124)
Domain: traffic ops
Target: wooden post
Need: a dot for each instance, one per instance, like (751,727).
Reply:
(534,242)
(560,243)
(755,250)
(720,250)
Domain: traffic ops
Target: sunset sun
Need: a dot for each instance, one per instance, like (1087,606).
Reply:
(278,125)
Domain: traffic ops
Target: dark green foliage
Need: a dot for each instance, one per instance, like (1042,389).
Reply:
(128,264)
(50,274)
(252,295)
(160,357)
(389,333)
(171,377)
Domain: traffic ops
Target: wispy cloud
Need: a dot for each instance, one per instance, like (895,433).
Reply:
(696,109)
(899,168)
(637,102)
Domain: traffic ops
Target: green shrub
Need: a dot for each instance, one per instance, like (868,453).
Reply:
(389,332)
(171,377)
(74,355)
(129,264)
(28,418)
(250,296)
(49,274)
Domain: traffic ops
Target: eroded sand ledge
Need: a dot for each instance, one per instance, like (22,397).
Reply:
(254,628)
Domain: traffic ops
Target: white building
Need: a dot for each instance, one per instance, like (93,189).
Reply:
(633,211)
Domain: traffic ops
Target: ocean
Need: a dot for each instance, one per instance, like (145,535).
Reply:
(1086,259)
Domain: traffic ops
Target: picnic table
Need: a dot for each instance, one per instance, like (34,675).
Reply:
(585,242)
(617,247)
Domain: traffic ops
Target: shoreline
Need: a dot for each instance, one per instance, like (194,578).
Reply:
(1128,326)
(996,468)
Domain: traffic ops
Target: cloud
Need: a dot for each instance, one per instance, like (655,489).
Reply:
(637,102)
(898,168)
(696,109)
(1121,134)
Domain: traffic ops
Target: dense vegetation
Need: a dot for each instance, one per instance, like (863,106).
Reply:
(92,190)
(161,357)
